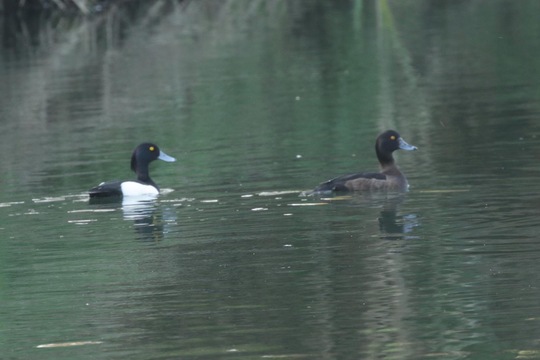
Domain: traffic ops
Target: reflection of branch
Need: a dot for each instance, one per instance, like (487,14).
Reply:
(82,6)
(404,59)
(60,4)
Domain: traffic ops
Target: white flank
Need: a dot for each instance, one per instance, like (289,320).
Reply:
(132,188)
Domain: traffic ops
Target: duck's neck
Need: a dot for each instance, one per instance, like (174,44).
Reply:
(144,177)
(384,159)
(387,163)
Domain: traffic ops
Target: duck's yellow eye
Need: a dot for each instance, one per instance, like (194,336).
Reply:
(151,148)
(392,137)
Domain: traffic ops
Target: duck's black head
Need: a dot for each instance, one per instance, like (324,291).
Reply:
(388,142)
(143,155)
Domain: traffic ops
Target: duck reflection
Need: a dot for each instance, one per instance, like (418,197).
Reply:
(150,220)
(140,209)
(394,226)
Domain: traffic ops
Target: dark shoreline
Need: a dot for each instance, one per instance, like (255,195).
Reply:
(39,24)
(66,7)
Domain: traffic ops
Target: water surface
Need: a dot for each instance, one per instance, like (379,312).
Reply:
(259,101)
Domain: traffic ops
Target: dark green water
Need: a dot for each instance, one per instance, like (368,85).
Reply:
(259,100)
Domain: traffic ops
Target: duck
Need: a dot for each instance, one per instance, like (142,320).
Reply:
(390,178)
(142,156)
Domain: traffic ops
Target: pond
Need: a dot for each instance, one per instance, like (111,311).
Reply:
(259,101)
